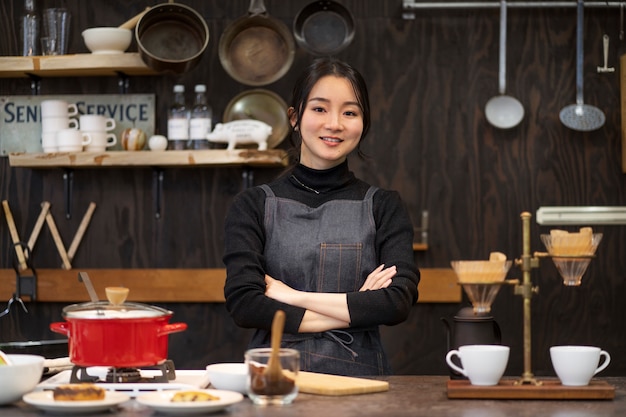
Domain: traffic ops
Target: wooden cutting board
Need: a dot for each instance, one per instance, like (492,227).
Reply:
(325,384)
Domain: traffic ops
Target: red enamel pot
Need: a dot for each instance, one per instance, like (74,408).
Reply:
(126,335)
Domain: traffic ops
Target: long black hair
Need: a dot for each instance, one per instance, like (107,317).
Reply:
(321,68)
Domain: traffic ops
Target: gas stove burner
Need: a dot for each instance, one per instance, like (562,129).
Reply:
(123,375)
(126,375)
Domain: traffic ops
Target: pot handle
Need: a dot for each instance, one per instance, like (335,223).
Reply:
(172,328)
(60,327)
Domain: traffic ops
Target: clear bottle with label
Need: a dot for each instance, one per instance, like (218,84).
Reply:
(29,27)
(200,122)
(178,121)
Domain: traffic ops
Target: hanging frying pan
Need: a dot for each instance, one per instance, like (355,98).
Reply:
(324,28)
(263,105)
(256,49)
(171,37)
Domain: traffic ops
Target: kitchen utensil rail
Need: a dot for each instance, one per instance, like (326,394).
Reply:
(409,5)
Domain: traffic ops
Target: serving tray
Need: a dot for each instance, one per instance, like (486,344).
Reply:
(550,389)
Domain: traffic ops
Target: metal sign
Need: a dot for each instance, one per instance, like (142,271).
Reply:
(20,117)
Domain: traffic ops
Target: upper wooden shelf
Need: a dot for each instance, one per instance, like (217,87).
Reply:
(77,65)
(191,158)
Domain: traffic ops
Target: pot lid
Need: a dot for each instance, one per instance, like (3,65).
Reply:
(468,314)
(106,310)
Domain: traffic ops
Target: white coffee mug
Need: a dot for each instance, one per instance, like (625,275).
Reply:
(49,140)
(100,141)
(54,124)
(58,108)
(72,140)
(482,364)
(96,123)
(576,365)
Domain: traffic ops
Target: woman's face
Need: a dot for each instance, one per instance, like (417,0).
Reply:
(331,125)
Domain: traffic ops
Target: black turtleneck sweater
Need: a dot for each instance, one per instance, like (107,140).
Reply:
(245,238)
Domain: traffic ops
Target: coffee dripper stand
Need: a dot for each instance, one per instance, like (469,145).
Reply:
(571,268)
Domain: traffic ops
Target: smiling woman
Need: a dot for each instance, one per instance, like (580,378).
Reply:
(331,251)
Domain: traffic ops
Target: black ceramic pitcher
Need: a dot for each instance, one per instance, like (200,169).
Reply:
(470,328)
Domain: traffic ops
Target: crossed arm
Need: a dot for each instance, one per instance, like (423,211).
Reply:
(325,311)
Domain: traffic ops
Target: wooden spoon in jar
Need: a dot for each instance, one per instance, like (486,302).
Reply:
(116,295)
(276,382)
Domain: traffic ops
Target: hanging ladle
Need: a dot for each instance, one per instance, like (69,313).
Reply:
(503,111)
(581,116)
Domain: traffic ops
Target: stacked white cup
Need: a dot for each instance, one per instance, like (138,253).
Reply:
(56,115)
(98,127)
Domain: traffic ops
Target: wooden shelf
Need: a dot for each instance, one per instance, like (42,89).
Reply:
(182,285)
(550,389)
(420,246)
(76,65)
(213,157)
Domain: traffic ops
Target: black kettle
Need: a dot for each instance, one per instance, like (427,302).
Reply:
(470,328)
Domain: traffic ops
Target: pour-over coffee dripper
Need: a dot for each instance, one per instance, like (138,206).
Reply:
(572,263)
(481,281)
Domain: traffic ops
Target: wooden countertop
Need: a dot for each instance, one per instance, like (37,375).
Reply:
(408,395)
(437,285)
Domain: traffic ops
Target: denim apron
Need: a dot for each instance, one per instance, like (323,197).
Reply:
(325,249)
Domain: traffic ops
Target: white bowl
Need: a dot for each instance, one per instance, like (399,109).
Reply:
(19,378)
(107,40)
(228,376)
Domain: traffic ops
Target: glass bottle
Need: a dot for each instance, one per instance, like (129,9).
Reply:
(29,26)
(200,122)
(178,121)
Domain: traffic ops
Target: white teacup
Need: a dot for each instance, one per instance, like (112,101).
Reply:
(575,365)
(58,108)
(482,364)
(100,141)
(72,140)
(54,124)
(96,123)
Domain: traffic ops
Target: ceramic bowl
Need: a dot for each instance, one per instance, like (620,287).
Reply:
(19,378)
(228,376)
(107,40)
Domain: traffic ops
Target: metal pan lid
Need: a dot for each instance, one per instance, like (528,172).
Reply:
(263,105)
(106,310)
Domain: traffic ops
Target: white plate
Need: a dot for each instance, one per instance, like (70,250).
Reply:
(44,400)
(162,401)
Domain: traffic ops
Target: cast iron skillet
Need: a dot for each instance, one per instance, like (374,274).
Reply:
(324,28)
(171,37)
(256,49)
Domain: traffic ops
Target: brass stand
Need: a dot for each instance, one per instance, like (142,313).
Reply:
(526,290)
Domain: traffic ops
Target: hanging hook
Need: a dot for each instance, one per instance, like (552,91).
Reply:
(15,298)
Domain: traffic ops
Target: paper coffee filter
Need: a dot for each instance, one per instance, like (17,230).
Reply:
(493,270)
(562,242)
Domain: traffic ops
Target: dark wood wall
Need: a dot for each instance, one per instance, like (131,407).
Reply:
(429,80)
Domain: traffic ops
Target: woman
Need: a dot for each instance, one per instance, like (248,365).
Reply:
(330,250)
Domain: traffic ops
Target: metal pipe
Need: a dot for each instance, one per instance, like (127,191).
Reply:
(416,4)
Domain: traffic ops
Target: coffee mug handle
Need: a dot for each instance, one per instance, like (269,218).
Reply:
(73,123)
(86,138)
(110,124)
(111,139)
(452,365)
(72,109)
(607,360)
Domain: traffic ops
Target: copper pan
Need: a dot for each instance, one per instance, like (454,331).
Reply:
(256,49)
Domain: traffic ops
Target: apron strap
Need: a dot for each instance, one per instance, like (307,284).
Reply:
(343,342)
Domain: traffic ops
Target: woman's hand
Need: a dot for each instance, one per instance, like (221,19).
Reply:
(279,291)
(379,278)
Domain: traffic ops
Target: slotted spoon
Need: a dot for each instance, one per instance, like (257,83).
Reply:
(581,116)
